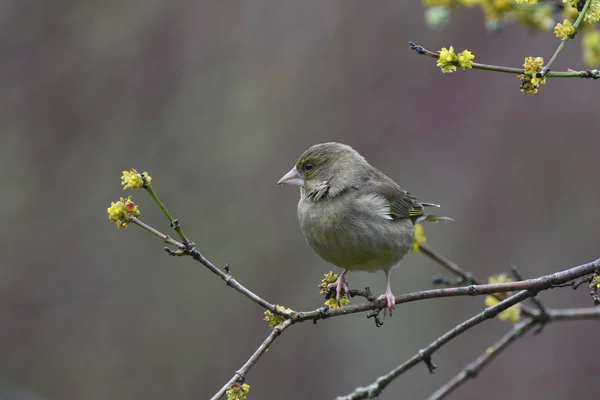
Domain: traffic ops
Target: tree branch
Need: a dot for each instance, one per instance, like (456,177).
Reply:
(240,375)
(472,369)
(534,286)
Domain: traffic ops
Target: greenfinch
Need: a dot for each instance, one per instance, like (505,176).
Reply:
(352,215)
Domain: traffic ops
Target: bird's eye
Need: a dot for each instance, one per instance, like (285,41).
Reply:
(308,166)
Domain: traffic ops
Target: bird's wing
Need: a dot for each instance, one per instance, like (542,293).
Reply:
(402,204)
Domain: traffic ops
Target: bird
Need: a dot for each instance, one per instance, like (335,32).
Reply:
(353,215)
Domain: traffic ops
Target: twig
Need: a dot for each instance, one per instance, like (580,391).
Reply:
(240,375)
(528,288)
(593,74)
(227,277)
(466,276)
(382,382)
(543,313)
(563,42)
(546,282)
(172,221)
(473,368)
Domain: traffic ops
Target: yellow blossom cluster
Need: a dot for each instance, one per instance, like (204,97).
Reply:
(420,238)
(238,392)
(133,180)
(564,30)
(121,210)
(591,47)
(448,60)
(275,319)
(513,314)
(593,12)
(533,14)
(530,82)
(330,278)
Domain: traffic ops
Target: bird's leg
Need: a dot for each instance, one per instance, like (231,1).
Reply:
(388,295)
(340,285)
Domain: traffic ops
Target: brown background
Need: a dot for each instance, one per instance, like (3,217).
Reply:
(217,99)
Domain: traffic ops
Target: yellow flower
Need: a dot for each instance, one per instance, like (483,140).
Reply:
(329,278)
(447,60)
(134,180)
(533,65)
(591,48)
(238,392)
(420,238)
(529,80)
(275,319)
(571,13)
(593,12)
(333,303)
(564,30)
(595,282)
(121,211)
(513,313)
(465,59)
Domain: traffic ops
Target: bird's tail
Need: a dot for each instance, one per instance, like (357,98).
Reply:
(430,217)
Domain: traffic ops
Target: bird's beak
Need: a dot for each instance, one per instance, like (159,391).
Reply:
(292,178)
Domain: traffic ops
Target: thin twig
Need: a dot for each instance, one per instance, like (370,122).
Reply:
(593,74)
(528,288)
(172,221)
(473,368)
(542,283)
(543,313)
(563,42)
(465,275)
(240,375)
(375,389)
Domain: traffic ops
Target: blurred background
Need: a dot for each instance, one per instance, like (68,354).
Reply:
(217,99)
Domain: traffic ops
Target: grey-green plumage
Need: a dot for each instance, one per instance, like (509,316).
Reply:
(351,214)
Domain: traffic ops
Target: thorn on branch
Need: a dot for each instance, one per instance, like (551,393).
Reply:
(426,357)
(417,48)
(175,253)
(375,314)
(595,296)
(578,282)
(366,293)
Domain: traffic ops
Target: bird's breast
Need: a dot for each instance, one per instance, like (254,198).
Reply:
(351,238)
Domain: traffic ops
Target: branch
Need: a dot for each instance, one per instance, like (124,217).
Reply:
(240,375)
(472,369)
(542,283)
(593,74)
(424,355)
(528,288)
(466,276)
(563,42)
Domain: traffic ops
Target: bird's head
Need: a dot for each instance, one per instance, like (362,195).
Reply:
(326,170)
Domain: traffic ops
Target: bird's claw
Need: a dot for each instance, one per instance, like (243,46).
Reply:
(390,300)
(341,287)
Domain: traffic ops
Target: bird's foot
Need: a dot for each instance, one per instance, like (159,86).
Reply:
(390,299)
(340,285)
